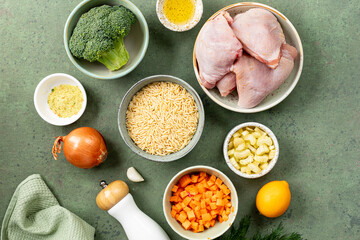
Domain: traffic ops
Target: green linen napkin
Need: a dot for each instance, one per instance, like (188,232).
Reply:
(35,214)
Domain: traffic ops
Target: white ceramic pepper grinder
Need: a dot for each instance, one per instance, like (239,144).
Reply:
(116,199)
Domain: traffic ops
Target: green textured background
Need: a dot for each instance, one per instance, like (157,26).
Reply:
(317,125)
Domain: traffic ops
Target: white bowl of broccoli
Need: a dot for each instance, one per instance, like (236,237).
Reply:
(106,39)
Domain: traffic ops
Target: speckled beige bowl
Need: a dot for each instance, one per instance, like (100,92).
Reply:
(219,228)
(179,28)
(277,96)
(271,163)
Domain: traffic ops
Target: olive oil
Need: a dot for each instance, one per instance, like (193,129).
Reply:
(179,12)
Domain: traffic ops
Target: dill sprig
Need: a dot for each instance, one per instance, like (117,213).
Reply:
(240,232)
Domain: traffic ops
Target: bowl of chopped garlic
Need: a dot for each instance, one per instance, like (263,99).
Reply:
(251,150)
(60,99)
(161,118)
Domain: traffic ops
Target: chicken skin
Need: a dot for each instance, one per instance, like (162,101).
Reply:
(216,50)
(260,34)
(255,80)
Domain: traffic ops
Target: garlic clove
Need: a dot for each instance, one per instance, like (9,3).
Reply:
(133,175)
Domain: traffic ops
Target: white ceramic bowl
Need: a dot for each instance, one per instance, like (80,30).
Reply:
(219,228)
(124,106)
(179,28)
(136,42)
(274,98)
(271,135)
(42,92)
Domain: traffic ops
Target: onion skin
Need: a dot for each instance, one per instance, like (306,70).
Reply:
(83,147)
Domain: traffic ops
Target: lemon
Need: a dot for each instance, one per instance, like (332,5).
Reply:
(273,199)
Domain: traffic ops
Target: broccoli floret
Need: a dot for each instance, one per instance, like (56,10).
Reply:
(99,36)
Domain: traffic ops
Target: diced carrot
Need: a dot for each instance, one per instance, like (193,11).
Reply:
(204,183)
(208,194)
(201,228)
(219,194)
(220,219)
(194,225)
(212,222)
(214,198)
(203,204)
(197,197)
(207,224)
(197,214)
(194,178)
(228,204)
(173,213)
(214,213)
(225,217)
(201,189)
(187,200)
(183,194)
(213,188)
(184,181)
(192,204)
(190,215)
(194,191)
(213,206)
(182,216)
(186,224)
(201,222)
(206,217)
(202,176)
(187,209)
(175,188)
(212,178)
(203,211)
(210,183)
(218,182)
(178,192)
(227,211)
(232,209)
(174,199)
(178,207)
(226,191)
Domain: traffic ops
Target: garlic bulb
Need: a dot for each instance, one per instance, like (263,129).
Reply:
(134,175)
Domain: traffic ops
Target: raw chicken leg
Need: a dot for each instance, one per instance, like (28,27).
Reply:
(254,80)
(216,49)
(227,84)
(260,34)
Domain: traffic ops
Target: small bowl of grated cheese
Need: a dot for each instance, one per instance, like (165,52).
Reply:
(60,99)
(161,118)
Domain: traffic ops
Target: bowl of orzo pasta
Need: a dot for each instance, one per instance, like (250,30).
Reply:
(161,118)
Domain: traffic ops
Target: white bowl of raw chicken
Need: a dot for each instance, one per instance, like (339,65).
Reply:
(275,97)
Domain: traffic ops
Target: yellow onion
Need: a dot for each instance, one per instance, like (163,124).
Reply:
(83,147)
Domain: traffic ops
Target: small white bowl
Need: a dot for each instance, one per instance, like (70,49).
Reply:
(179,28)
(292,37)
(42,92)
(271,135)
(219,228)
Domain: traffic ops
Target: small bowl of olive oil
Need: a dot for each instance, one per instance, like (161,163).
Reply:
(179,15)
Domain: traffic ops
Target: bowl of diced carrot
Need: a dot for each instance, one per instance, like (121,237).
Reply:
(200,203)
